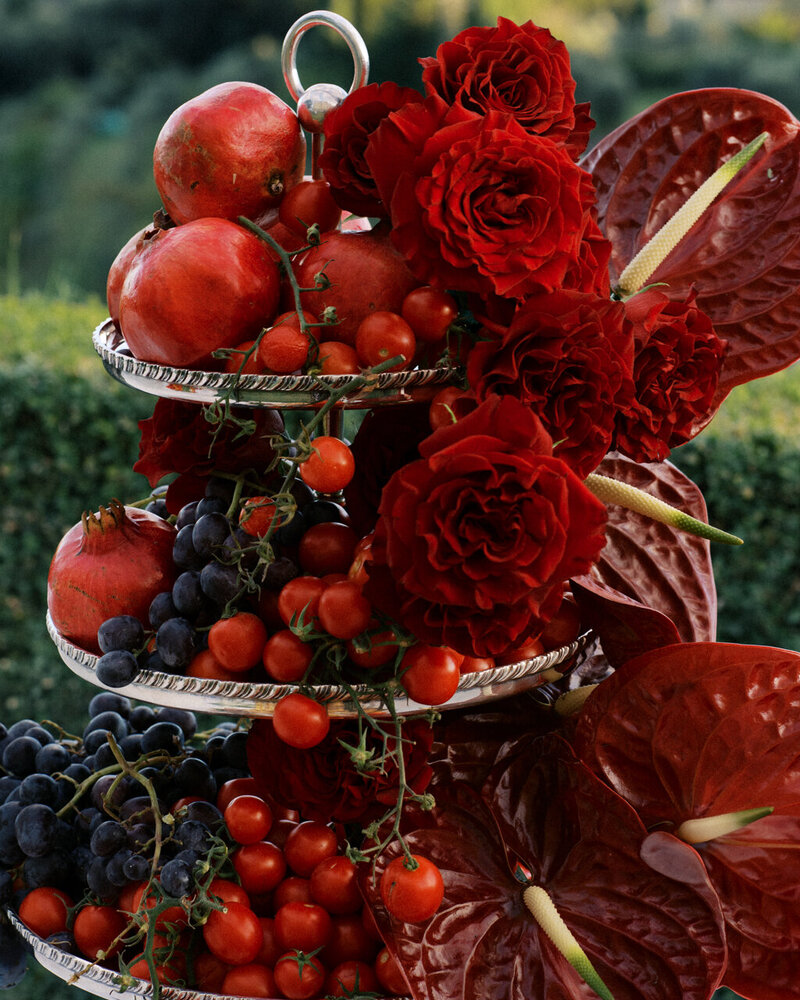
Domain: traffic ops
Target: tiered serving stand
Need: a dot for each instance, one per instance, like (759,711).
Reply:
(257,700)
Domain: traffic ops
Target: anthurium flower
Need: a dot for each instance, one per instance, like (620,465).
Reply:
(742,254)
(545,816)
(694,731)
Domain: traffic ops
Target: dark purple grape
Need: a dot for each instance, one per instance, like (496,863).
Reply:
(108,838)
(131,746)
(120,632)
(175,642)
(141,717)
(183,551)
(8,783)
(163,736)
(212,505)
(104,757)
(78,771)
(205,813)
(40,734)
(194,777)
(109,701)
(138,809)
(162,608)
(115,867)
(323,512)
(159,508)
(96,739)
(224,489)
(188,596)
(98,881)
(109,722)
(219,583)
(176,878)
(10,852)
(51,869)
(19,756)
(181,717)
(136,867)
(288,535)
(38,788)
(36,827)
(235,749)
(279,572)
(52,757)
(117,668)
(209,533)
(187,515)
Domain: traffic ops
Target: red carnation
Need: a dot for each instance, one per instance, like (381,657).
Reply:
(347,131)
(569,356)
(519,70)
(477,203)
(476,539)
(676,371)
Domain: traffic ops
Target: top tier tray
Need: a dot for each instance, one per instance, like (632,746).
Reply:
(290,392)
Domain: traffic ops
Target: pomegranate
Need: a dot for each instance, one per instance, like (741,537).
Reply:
(194,288)
(110,563)
(232,150)
(118,271)
(366,274)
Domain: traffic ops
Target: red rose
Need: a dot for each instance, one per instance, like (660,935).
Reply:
(520,70)
(569,356)
(676,372)
(477,204)
(476,539)
(323,784)
(180,438)
(347,131)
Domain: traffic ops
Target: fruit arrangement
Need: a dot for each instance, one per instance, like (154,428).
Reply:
(467,625)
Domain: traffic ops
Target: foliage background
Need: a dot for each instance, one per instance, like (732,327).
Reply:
(85,86)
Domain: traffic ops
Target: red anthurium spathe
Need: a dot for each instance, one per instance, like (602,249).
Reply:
(693,731)
(646,935)
(742,255)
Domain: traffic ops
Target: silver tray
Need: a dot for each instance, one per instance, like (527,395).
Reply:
(241,698)
(289,392)
(98,980)
(91,978)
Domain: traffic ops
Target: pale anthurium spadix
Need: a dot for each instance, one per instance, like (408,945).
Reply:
(647,260)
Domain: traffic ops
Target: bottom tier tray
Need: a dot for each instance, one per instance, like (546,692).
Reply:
(240,698)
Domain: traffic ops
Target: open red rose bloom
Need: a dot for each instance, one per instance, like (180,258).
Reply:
(478,635)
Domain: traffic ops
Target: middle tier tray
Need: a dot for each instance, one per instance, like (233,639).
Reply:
(258,700)
(289,392)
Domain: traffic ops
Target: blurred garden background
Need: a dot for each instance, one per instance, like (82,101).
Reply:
(85,86)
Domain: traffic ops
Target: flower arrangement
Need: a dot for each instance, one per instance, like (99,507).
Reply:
(630,829)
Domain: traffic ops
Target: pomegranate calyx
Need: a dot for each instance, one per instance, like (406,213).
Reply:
(107,518)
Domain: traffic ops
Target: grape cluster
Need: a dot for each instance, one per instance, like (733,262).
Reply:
(130,843)
(224,562)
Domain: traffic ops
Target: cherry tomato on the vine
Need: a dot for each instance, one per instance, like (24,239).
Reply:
(430,674)
(309,843)
(302,926)
(299,976)
(300,721)
(382,335)
(412,888)
(429,312)
(233,934)
(344,612)
(97,929)
(329,467)
(336,358)
(283,349)
(334,885)
(238,641)
(390,975)
(351,978)
(300,598)
(327,548)
(252,980)
(260,866)
(286,657)
(309,203)
(44,910)
(248,819)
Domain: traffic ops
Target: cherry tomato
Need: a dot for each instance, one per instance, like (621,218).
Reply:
(390,974)
(257,515)
(307,845)
(412,894)
(233,934)
(237,642)
(349,941)
(300,721)
(302,926)
(299,599)
(248,818)
(96,929)
(299,977)
(260,866)
(327,548)
(252,980)
(235,363)
(170,962)
(283,349)
(293,889)
(174,916)
(329,467)
(209,972)
(44,910)
(476,664)
(336,358)
(228,891)
(430,674)
(205,666)
(309,203)
(429,312)
(373,649)
(233,787)
(383,335)
(334,885)
(351,978)
(344,612)
(442,412)
(286,657)
(527,651)
(270,950)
